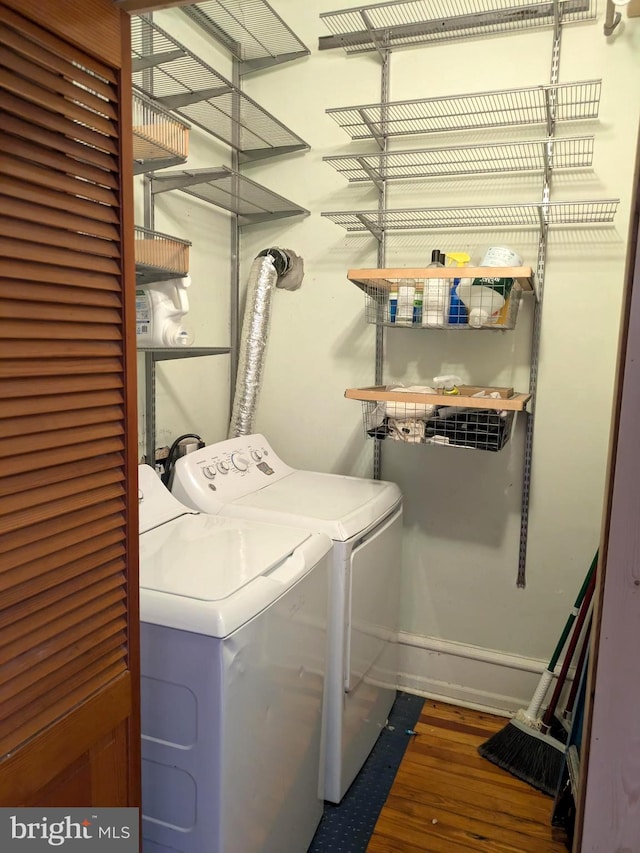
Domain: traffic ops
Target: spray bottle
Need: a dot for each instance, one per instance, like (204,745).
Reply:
(449,383)
(160,307)
(457,309)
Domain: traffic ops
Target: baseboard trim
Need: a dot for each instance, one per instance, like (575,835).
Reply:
(470,676)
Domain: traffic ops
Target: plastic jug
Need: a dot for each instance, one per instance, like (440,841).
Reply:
(482,303)
(160,308)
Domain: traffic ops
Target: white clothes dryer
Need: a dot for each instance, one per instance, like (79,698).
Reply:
(233,650)
(243,477)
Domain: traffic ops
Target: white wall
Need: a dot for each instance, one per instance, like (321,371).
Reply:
(462,515)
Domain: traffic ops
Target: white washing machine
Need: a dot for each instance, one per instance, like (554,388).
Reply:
(244,478)
(233,652)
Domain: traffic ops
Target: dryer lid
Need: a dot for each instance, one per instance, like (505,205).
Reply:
(337,505)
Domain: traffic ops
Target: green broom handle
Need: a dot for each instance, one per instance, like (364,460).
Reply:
(573,642)
(531,713)
(579,667)
(573,614)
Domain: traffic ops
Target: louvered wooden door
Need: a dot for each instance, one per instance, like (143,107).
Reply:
(68,498)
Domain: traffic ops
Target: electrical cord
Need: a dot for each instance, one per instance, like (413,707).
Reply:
(168,467)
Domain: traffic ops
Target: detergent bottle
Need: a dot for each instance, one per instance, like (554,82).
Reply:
(482,303)
(457,308)
(160,308)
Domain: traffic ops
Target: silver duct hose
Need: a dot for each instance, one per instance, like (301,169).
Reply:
(272,268)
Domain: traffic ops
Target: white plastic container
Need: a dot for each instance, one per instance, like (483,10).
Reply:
(483,304)
(406,298)
(435,302)
(501,256)
(160,309)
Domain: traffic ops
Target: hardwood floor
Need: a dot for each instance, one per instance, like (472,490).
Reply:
(446,798)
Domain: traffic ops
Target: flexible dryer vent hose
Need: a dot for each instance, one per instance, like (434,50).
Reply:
(271,268)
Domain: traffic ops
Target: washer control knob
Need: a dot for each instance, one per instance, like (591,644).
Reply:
(223,467)
(239,462)
(209,472)
(256,455)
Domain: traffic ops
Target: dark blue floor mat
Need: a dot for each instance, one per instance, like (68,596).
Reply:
(347,827)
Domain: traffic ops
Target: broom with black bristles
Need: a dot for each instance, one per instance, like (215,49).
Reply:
(523,747)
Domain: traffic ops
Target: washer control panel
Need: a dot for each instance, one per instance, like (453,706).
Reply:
(230,469)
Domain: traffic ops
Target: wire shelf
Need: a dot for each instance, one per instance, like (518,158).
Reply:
(168,72)
(531,215)
(479,418)
(159,256)
(534,156)
(171,353)
(160,139)
(231,191)
(502,108)
(408,22)
(250,30)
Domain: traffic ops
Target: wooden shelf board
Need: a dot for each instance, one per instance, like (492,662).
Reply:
(384,278)
(509,400)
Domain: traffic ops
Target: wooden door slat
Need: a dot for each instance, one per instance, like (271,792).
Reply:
(56,474)
(41,628)
(56,45)
(59,162)
(61,367)
(58,349)
(56,85)
(39,700)
(16,389)
(64,183)
(58,123)
(42,459)
(102,631)
(59,142)
(56,711)
(40,330)
(58,257)
(65,644)
(46,405)
(57,313)
(58,507)
(35,93)
(23,697)
(60,296)
(41,55)
(66,276)
(97,216)
(20,562)
(60,219)
(63,437)
(48,605)
(50,492)
(100,517)
(55,571)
